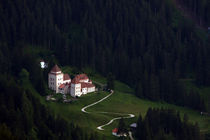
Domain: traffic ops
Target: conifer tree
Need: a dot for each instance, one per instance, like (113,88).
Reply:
(122,127)
(110,81)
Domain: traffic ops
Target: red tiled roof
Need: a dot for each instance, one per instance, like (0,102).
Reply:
(115,130)
(66,77)
(62,86)
(82,76)
(79,77)
(55,69)
(88,85)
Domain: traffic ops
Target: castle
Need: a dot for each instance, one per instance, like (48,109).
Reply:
(62,83)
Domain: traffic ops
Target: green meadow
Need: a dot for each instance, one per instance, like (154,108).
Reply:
(122,101)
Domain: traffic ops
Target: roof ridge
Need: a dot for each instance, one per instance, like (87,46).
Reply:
(55,68)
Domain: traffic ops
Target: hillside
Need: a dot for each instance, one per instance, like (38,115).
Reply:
(122,101)
(157,55)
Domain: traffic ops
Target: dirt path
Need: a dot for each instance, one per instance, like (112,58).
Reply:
(130,135)
(127,116)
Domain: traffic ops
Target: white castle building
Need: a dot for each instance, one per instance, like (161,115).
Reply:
(62,83)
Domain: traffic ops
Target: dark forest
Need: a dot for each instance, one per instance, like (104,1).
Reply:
(147,44)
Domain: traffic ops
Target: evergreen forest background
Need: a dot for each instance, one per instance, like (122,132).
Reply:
(147,44)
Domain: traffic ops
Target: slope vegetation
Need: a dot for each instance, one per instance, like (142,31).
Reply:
(122,101)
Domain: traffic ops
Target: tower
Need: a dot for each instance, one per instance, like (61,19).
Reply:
(55,78)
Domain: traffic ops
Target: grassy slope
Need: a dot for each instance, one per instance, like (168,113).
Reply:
(204,91)
(122,101)
(128,103)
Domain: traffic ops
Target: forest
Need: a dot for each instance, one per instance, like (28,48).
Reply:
(199,9)
(23,117)
(146,44)
(163,124)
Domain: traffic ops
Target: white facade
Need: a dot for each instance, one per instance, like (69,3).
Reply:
(52,81)
(80,88)
(91,89)
(84,90)
(76,90)
(55,80)
(59,81)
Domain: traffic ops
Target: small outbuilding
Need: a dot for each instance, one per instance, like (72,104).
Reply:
(133,125)
(43,64)
(114,132)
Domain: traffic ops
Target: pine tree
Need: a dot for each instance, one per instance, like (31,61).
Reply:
(110,81)
(24,76)
(122,127)
(139,128)
(186,118)
(139,90)
(5,133)
(154,88)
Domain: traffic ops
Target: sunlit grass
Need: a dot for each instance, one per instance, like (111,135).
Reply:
(122,101)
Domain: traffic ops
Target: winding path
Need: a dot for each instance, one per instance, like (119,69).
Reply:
(101,127)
